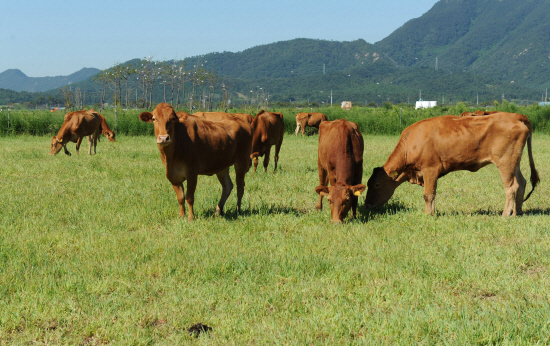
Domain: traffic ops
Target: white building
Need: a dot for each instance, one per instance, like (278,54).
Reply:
(346,104)
(425,104)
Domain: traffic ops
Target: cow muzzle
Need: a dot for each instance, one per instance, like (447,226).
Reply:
(164,140)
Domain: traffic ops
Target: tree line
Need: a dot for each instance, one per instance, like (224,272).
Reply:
(137,85)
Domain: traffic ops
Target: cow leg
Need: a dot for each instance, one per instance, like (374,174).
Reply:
(95,137)
(190,195)
(430,186)
(90,143)
(297,128)
(511,186)
(227,186)
(78,142)
(65,149)
(277,149)
(522,183)
(180,195)
(323,180)
(266,159)
(240,173)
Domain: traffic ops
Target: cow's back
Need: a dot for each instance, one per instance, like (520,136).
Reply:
(341,151)
(268,130)
(316,119)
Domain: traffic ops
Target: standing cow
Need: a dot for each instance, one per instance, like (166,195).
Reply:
(269,129)
(190,146)
(76,126)
(304,120)
(431,148)
(340,162)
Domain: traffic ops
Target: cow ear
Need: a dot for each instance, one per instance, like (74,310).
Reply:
(358,189)
(146,117)
(322,190)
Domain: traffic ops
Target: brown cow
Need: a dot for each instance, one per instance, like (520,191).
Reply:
(477,113)
(304,120)
(190,146)
(431,148)
(340,161)
(269,129)
(75,127)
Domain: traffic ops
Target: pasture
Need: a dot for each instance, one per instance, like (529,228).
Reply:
(92,251)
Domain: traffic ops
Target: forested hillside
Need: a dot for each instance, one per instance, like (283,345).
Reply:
(298,57)
(508,40)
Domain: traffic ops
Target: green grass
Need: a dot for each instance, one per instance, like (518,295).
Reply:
(92,251)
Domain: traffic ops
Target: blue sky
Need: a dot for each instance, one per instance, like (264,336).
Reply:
(52,38)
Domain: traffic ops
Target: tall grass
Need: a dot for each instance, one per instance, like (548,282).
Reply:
(387,120)
(92,251)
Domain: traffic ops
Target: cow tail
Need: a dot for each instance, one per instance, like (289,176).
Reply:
(534,174)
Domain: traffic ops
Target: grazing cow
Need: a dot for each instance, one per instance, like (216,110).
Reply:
(75,127)
(340,162)
(304,120)
(191,146)
(477,113)
(269,129)
(431,148)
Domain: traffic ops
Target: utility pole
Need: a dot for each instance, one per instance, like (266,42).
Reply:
(330,97)
(436,63)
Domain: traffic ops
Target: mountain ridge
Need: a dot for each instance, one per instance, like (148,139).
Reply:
(17,80)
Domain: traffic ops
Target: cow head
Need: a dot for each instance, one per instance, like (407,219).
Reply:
(380,188)
(163,118)
(110,136)
(56,145)
(340,197)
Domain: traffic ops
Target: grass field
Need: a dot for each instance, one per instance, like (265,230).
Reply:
(92,252)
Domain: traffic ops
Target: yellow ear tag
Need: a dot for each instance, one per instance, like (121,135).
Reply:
(394,174)
(357,193)
(60,140)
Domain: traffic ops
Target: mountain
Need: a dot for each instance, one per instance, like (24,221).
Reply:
(16,80)
(294,58)
(505,39)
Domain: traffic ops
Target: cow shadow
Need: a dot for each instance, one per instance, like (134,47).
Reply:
(537,211)
(391,208)
(232,214)
(493,212)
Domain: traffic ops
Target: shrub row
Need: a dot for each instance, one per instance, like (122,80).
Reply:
(386,120)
